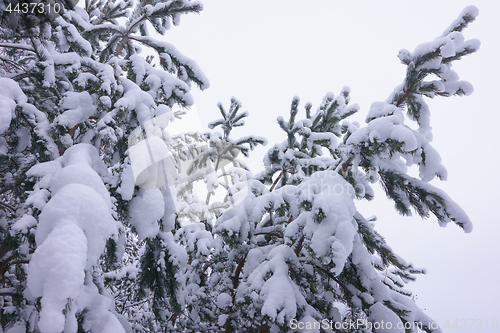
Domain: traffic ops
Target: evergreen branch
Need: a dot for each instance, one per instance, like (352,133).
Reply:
(467,16)
(11,63)
(169,49)
(17,46)
(207,200)
(403,99)
(300,243)
(7,189)
(459,55)
(332,276)
(121,45)
(7,292)
(237,272)
(268,233)
(137,303)
(99,29)
(6,207)
(345,165)
(277,180)
(32,127)
(127,35)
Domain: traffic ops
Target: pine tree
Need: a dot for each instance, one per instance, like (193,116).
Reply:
(206,252)
(75,90)
(297,248)
(101,225)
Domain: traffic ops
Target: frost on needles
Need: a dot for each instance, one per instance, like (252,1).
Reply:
(88,245)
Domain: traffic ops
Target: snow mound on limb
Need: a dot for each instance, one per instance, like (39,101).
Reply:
(145,210)
(84,206)
(331,229)
(380,314)
(80,174)
(79,107)
(280,296)
(10,96)
(71,235)
(386,123)
(56,272)
(84,153)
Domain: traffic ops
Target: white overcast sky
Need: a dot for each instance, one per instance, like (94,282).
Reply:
(266,52)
